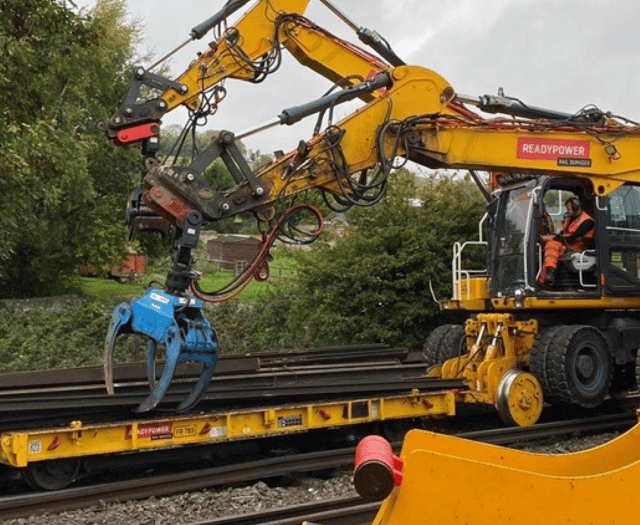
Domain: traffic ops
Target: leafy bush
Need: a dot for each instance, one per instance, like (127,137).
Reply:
(41,338)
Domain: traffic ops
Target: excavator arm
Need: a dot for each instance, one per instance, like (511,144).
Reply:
(329,161)
(249,51)
(416,115)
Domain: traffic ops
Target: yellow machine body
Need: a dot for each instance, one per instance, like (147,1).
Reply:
(452,481)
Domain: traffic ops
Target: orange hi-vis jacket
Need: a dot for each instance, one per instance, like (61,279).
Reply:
(556,248)
(570,227)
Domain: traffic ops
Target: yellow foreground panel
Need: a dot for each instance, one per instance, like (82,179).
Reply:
(451,481)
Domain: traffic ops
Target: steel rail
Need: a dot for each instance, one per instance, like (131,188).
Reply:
(228,363)
(543,430)
(68,499)
(34,400)
(343,511)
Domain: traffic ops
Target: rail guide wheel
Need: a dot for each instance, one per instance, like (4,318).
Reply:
(54,474)
(520,398)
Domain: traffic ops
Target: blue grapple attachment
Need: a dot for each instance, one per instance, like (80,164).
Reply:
(171,318)
(175,322)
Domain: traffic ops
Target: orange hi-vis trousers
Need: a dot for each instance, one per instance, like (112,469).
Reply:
(553,252)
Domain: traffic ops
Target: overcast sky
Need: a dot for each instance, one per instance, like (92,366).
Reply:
(559,54)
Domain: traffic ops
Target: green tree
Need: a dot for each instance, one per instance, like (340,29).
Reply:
(372,284)
(62,186)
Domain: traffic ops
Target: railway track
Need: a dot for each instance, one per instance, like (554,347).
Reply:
(26,504)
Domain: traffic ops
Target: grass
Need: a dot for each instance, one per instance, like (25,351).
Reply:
(109,290)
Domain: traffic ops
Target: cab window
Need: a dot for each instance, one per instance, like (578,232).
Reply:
(623,239)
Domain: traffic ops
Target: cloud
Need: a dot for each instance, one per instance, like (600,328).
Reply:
(560,54)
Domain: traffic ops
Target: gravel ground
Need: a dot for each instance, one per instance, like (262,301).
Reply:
(199,506)
(208,504)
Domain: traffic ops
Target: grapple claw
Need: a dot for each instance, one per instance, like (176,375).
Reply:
(120,323)
(175,322)
(199,389)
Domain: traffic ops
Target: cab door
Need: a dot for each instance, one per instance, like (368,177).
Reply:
(511,260)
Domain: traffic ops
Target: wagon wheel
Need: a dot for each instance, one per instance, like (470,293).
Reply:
(53,474)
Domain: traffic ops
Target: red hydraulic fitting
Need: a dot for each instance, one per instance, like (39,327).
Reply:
(324,414)
(377,469)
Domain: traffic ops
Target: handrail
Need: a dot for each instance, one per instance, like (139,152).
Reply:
(456,264)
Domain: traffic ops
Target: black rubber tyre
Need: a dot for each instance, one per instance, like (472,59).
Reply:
(579,366)
(538,358)
(638,369)
(443,343)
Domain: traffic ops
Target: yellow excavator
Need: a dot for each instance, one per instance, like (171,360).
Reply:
(526,340)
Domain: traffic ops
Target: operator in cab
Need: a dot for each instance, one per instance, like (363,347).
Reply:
(578,229)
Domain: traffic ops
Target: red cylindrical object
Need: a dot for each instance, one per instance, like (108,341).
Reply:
(377,469)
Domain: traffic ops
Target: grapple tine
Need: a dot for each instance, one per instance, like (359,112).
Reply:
(152,347)
(199,388)
(120,323)
(159,389)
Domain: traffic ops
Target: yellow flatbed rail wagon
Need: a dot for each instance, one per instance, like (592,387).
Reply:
(77,440)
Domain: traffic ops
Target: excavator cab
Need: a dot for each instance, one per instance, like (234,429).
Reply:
(608,266)
(524,344)
(525,211)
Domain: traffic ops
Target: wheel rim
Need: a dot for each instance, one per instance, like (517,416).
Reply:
(589,369)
